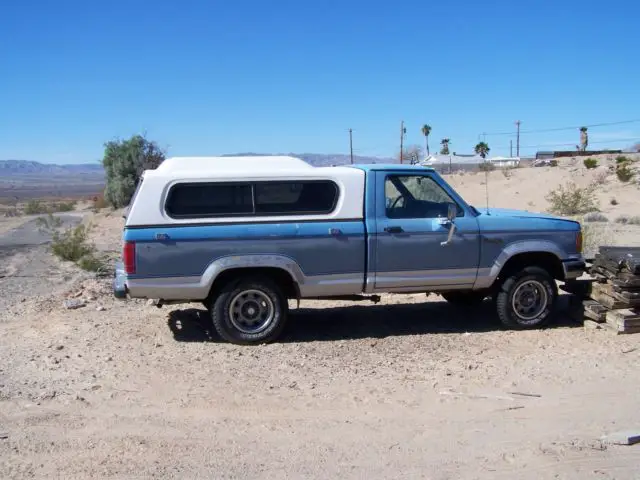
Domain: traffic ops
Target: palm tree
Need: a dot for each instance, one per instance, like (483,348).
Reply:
(426,130)
(445,146)
(482,149)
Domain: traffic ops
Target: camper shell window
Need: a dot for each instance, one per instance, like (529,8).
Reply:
(303,197)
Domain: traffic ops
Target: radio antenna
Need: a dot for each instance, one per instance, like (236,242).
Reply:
(486,184)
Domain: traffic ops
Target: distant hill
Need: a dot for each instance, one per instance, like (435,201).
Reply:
(12,168)
(321,159)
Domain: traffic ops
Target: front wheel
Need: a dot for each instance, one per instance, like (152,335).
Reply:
(527,299)
(250,311)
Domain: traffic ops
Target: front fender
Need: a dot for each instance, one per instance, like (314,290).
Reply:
(487,276)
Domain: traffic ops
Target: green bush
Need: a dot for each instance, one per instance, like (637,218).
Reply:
(622,159)
(570,199)
(553,163)
(590,163)
(124,162)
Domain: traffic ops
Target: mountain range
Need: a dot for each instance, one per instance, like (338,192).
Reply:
(14,168)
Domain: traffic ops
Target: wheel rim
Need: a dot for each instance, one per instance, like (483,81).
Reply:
(529,300)
(251,311)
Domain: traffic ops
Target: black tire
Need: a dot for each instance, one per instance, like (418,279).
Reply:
(518,314)
(465,299)
(244,296)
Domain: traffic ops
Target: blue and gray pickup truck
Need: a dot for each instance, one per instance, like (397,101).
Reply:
(244,235)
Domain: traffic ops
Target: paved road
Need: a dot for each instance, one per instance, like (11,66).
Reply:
(27,267)
(29,235)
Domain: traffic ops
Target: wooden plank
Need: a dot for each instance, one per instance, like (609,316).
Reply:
(594,311)
(621,330)
(607,301)
(623,318)
(633,298)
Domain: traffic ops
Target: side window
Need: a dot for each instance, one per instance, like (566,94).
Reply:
(193,200)
(209,200)
(415,196)
(290,198)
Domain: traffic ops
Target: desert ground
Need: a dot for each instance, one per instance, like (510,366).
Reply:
(409,388)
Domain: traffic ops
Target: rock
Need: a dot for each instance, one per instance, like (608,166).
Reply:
(72,304)
(4,436)
(100,308)
(628,437)
(59,347)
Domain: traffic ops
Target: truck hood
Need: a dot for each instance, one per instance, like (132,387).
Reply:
(510,213)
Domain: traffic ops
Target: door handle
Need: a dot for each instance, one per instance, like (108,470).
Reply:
(393,229)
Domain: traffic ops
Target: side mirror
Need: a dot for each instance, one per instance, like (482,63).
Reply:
(452,212)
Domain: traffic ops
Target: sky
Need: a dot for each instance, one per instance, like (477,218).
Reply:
(213,77)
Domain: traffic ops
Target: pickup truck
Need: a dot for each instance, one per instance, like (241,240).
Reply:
(244,235)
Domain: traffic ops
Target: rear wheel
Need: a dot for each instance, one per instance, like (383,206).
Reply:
(527,299)
(250,311)
(464,299)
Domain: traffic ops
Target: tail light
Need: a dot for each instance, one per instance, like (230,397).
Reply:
(129,257)
(579,242)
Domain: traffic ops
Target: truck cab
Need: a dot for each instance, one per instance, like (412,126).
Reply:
(244,235)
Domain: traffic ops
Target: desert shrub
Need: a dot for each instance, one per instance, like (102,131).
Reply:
(626,220)
(593,236)
(595,217)
(486,167)
(99,202)
(553,163)
(506,172)
(590,163)
(600,177)
(38,207)
(62,207)
(613,201)
(72,244)
(624,172)
(622,159)
(35,207)
(570,199)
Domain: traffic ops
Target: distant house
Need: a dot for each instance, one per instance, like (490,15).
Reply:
(505,162)
(453,163)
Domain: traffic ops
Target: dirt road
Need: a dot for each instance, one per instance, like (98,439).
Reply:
(409,388)
(413,390)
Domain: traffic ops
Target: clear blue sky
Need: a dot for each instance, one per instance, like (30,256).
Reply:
(210,77)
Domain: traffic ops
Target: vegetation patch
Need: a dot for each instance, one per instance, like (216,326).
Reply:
(72,244)
(570,199)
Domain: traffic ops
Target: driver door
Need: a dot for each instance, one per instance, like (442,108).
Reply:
(410,250)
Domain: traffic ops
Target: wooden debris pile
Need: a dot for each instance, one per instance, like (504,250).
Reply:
(615,291)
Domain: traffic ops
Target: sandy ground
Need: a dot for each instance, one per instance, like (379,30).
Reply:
(409,388)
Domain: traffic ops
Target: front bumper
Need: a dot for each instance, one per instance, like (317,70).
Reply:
(120,290)
(574,268)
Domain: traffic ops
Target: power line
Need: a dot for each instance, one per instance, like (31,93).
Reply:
(559,129)
(572,144)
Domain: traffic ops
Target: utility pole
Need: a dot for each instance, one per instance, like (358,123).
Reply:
(511,148)
(518,139)
(402,132)
(351,144)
